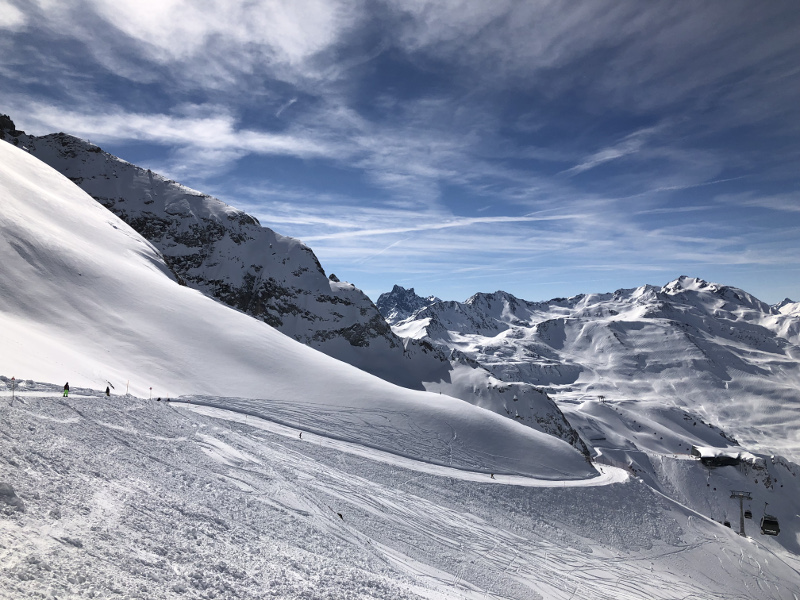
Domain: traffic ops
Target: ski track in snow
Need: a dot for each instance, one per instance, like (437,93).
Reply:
(608,474)
(133,498)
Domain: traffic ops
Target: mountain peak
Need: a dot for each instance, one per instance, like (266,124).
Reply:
(787,307)
(401,303)
(7,126)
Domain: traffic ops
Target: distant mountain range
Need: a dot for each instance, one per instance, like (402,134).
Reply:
(690,343)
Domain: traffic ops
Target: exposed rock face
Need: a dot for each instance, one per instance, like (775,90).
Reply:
(401,303)
(7,127)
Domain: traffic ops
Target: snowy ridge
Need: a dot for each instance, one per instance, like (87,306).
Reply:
(788,307)
(228,255)
(224,252)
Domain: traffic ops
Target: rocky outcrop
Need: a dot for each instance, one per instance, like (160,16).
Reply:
(401,303)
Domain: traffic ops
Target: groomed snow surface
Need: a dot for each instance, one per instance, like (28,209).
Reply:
(131,498)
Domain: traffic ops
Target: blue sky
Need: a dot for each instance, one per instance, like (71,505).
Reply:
(542,148)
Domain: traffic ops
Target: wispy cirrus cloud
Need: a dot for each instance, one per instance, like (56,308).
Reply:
(630,144)
(779,202)
(423,134)
(638,56)
(200,127)
(436,226)
(212,43)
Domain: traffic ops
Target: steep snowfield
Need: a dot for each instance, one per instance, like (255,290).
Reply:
(226,254)
(84,299)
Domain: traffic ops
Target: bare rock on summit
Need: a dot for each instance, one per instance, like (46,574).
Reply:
(7,126)
(401,303)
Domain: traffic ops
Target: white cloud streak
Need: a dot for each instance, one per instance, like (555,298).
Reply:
(436,226)
(285,106)
(782,202)
(11,17)
(692,69)
(631,144)
(209,130)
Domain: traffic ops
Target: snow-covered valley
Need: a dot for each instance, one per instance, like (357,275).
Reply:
(278,471)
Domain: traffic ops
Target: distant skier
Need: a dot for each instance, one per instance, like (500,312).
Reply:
(66,389)
(108,391)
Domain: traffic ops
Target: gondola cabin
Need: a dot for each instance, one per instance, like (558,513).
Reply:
(769,525)
(748,514)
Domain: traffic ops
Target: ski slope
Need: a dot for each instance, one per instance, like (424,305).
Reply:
(85,299)
(143,499)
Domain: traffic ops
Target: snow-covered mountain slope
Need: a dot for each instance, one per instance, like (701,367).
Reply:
(645,375)
(714,350)
(85,299)
(401,303)
(129,498)
(228,255)
(788,307)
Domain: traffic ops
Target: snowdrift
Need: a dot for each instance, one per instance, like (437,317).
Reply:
(86,299)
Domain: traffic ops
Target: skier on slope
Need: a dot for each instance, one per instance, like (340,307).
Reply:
(66,389)
(108,391)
